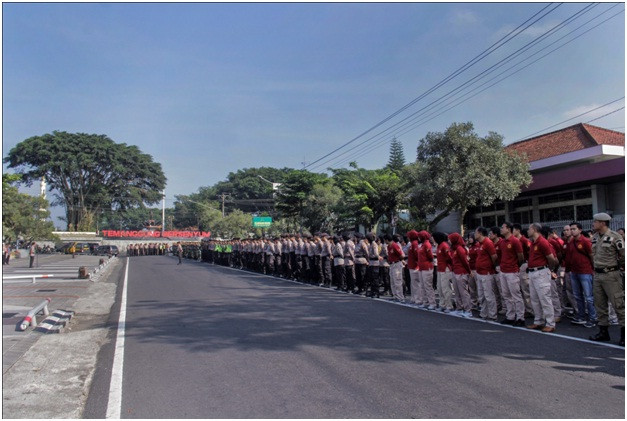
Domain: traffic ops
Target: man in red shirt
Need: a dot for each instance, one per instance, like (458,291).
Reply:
(494,234)
(557,289)
(568,297)
(473,249)
(414,270)
(541,261)
(461,271)
(486,280)
(524,276)
(445,275)
(509,276)
(395,259)
(579,262)
(425,263)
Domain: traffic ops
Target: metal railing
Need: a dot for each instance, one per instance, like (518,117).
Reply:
(33,277)
(615,223)
(31,317)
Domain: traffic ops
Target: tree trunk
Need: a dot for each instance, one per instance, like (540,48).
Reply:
(462,215)
(446,212)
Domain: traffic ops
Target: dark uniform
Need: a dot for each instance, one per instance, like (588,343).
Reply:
(608,251)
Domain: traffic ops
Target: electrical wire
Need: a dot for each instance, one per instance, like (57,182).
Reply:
(487,71)
(572,118)
(605,115)
(469,64)
(398,134)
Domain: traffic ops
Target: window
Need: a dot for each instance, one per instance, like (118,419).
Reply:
(561,213)
(523,217)
(584,212)
(489,221)
(554,198)
(499,205)
(521,203)
(500,219)
(583,194)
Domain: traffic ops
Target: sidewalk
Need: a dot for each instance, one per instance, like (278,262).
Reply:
(48,375)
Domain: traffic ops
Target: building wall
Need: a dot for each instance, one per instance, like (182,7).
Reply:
(616,196)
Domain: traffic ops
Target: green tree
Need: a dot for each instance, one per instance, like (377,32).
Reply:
(24,216)
(235,224)
(320,207)
(131,219)
(397,156)
(89,173)
(369,194)
(293,197)
(458,169)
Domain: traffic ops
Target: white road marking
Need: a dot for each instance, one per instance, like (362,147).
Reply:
(474,319)
(114,407)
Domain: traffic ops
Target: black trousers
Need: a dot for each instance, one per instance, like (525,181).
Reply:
(339,276)
(373,279)
(277,264)
(361,270)
(326,270)
(384,276)
(307,264)
(349,274)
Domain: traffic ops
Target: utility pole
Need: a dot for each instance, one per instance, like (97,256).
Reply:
(163,214)
(305,163)
(223,196)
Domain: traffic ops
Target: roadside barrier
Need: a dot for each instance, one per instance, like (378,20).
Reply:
(31,318)
(94,276)
(33,277)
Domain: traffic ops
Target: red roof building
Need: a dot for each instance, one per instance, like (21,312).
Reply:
(577,171)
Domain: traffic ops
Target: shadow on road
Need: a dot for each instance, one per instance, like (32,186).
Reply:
(279,315)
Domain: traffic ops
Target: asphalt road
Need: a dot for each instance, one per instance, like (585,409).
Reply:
(210,342)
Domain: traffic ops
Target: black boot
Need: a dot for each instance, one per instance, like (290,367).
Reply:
(622,336)
(602,336)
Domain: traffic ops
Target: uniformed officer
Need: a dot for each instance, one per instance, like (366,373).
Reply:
(349,262)
(339,274)
(361,262)
(326,255)
(372,274)
(608,251)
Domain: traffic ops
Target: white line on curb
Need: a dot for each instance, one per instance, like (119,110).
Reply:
(114,407)
(473,319)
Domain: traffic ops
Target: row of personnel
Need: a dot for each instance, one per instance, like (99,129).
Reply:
(496,270)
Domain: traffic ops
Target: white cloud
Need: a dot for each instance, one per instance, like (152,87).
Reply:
(532,31)
(464,17)
(585,108)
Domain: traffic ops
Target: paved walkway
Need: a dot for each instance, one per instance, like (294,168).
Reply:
(19,296)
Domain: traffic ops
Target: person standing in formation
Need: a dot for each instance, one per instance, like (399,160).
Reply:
(31,253)
(179,252)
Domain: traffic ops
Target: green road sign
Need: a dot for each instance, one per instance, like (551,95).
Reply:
(262,221)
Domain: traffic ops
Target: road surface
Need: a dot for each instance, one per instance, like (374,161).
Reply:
(204,341)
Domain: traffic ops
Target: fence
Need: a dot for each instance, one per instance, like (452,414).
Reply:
(616,223)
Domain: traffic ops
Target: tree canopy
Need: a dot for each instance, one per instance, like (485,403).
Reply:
(397,156)
(457,169)
(23,216)
(89,173)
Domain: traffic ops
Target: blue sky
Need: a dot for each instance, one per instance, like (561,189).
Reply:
(211,88)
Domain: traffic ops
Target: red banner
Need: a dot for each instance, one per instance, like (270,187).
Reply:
(154,234)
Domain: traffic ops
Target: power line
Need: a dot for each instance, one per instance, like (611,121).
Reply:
(432,116)
(572,118)
(465,67)
(484,73)
(605,115)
